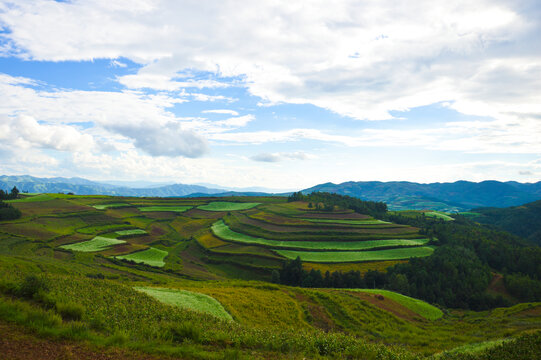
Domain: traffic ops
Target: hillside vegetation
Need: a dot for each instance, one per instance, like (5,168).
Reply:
(167,283)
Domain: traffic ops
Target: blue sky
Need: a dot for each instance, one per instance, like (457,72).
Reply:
(281,95)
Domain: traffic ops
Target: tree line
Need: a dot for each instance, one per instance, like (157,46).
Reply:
(7,211)
(324,201)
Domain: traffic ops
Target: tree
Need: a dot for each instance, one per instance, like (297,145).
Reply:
(14,192)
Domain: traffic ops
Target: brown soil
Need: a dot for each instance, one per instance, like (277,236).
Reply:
(18,344)
(202,214)
(320,318)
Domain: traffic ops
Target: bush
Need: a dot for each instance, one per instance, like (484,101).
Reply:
(185,331)
(70,311)
(32,285)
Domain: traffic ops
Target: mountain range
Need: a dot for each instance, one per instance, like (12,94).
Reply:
(399,195)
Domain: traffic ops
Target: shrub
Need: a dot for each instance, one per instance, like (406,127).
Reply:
(178,333)
(32,285)
(70,311)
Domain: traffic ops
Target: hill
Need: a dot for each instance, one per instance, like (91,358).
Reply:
(449,197)
(81,186)
(140,274)
(523,220)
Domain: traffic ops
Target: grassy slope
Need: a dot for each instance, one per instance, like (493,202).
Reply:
(221,230)
(270,321)
(165,208)
(420,307)
(188,300)
(354,256)
(151,256)
(99,243)
(227,206)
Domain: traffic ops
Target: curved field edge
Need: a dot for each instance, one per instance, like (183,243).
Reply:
(99,243)
(222,231)
(188,300)
(419,307)
(150,256)
(227,206)
(357,256)
(164,208)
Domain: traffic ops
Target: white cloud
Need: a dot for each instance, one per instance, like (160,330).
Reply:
(360,59)
(276,157)
(221,111)
(238,121)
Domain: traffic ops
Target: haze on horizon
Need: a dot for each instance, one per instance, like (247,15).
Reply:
(274,94)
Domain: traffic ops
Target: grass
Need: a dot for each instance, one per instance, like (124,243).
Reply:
(357,256)
(109,206)
(151,256)
(130,232)
(221,230)
(419,307)
(165,208)
(188,300)
(349,222)
(36,198)
(102,228)
(227,206)
(99,243)
(439,215)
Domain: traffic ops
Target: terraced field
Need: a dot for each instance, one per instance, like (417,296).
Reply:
(151,256)
(257,233)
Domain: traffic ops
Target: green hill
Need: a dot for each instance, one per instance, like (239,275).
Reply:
(167,283)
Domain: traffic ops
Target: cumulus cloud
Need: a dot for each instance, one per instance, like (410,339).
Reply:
(221,111)
(239,121)
(167,139)
(360,59)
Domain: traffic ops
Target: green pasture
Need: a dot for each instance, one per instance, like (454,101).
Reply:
(188,300)
(165,208)
(349,222)
(227,206)
(420,307)
(150,256)
(439,215)
(357,256)
(99,243)
(131,232)
(36,198)
(102,228)
(221,230)
(109,206)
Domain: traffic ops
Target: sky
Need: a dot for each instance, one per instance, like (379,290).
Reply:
(278,94)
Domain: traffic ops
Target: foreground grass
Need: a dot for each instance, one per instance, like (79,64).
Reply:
(221,230)
(227,206)
(357,256)
(151,256)
(99,243)
(188,300)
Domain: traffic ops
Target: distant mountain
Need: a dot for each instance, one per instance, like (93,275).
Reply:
(451,197)
(523,220)
(81,186)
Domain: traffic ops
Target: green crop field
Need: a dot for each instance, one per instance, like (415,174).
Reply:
(357,256)
(151,256)
(420,307)
(349,222)
(99,243)
(109,206)
(165,208)
(221,230)
(131,232)
(227,206)
(36,198)
(439,215)
(102,228)
(188,300)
